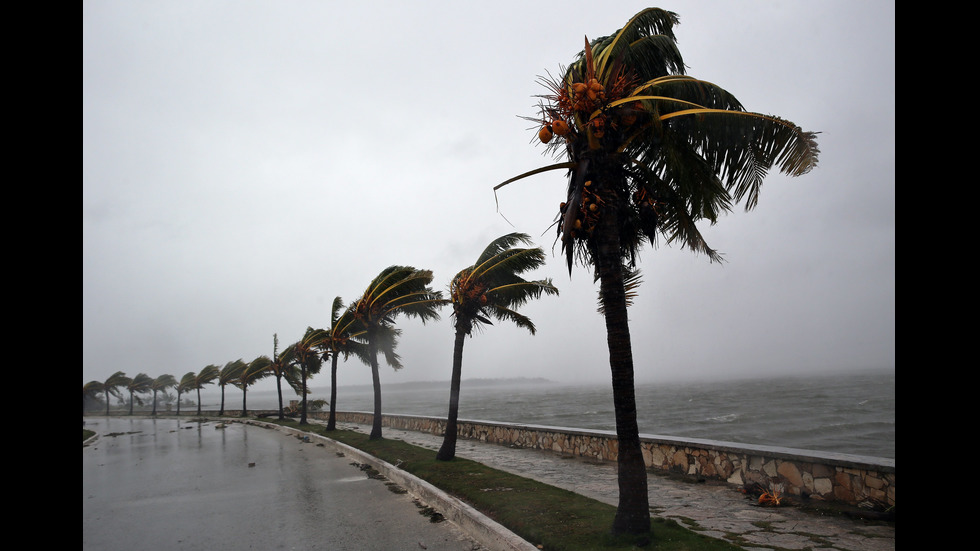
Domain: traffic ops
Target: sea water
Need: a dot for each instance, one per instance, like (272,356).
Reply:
(847,413)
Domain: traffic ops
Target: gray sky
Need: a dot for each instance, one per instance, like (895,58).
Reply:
(244,162)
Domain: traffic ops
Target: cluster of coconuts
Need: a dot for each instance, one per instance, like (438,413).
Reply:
(583,94)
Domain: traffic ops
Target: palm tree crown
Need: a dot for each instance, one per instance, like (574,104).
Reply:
(492,287)
(662,149)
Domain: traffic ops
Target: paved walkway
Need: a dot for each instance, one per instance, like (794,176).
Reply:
(712,509)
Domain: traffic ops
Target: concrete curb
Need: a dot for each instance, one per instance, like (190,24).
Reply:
(473,523)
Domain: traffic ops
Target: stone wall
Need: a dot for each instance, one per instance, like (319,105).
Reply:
(827,476)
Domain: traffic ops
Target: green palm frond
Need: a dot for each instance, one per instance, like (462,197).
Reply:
(492,287)
(163,382)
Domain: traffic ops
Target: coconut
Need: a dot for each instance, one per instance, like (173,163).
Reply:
(560,127)
(545,134)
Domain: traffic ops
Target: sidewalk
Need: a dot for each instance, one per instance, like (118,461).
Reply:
(712,509)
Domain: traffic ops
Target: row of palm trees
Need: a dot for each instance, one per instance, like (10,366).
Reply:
(490,288)
(648,152)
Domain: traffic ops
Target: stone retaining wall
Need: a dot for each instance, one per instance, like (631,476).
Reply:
(827,476)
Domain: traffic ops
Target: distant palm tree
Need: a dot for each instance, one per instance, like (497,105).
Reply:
(139,384)
(396,290)
(91,390)
(254,371)
(304,353)
(228,375)
(161,384)
(280,366)
(186,384)
(649,152)
(339,340)
(491,287)
(112,385)
(206,376)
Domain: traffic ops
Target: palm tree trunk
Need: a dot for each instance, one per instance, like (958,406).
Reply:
(302,415)
(222,410)
(154,402)
(448,449)
(199,401)
(633,512)
(107,403)
(332,420)
(376,379)
(178,404)
(279,390)
(244,396)
(130,403)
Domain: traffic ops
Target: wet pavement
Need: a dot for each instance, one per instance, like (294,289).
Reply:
(712,509)
(292,501)
(186,485)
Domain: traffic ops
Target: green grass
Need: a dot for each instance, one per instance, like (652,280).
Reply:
(550,517)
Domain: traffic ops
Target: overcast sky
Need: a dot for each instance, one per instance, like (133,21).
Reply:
(245,162)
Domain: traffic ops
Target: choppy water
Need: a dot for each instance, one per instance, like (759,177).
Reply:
(849,413)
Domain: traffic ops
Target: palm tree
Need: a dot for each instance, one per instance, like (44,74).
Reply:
(280,366)
(139,384)
(91,390)
(186,384)
(112,385)
(228,375)
(304,353)
(491,287)
(161,384)
(206,376)
(253,371)
(649,150)
(396,290)
(337,340)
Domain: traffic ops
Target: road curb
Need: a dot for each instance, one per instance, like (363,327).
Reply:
(475,524)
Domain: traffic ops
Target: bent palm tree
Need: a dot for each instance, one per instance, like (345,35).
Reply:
(90,391)
(161,384)
(112,385)
(186,384)
(337,340)
(492,287)
(228,375)
(304,353)
(206,376)
(396,290)
(649,151)
(253,372)
(280,365)
(139,384)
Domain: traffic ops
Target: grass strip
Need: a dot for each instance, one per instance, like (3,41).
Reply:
(549,517)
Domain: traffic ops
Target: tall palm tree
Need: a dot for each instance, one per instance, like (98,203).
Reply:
(139,384)
(339,339)
(396,290)
(304,353)
(253,371)
(649,151)
(206,376)
(112,385)
(280,366)
(228,375)
(91,390)
(186,384)
(491,287)
(161,384)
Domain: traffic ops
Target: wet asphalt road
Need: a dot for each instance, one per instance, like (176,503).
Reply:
(173,484)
